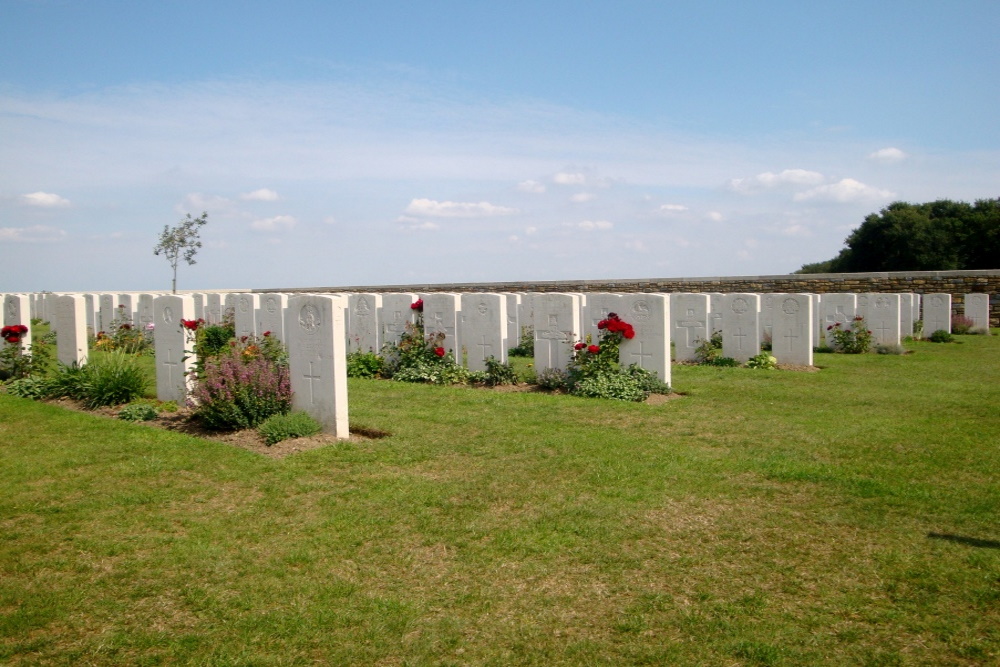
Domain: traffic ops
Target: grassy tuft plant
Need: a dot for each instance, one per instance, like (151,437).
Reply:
(962,325)
(364,365)
(113,379)
(295,424)
(889,348)
(941,336)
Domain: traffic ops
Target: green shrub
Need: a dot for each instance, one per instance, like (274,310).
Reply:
(552,379)
(287,426)
(364,365)
(941,336)
(113,379)
(723,362)
(498,373)
(710,349)
(619,386)
(526,344)
(420,358)
(962,325)
(762,361)
(856,338)
(236,392)
(137,412)
(69,382)
(889,348)
(32,387)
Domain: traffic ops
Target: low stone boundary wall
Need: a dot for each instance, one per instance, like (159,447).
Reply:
(957,283)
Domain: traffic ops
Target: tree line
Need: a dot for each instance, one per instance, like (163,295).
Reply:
(938,236)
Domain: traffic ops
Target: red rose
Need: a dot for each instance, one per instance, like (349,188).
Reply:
(266,334)
(593,349)
(20,329)
(603,324)
(579,346)
(439,351)
(417,305)
(629,333)
(13,339)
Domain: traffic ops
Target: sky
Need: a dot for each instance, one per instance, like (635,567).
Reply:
(390,143)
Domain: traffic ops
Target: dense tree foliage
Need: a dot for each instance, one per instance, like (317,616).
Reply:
(938,236)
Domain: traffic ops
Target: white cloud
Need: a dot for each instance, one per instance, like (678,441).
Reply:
(888,155)
(45,200)
(195,202)
(589,225)
(673,208)
(263,194)
(530,230)
(451,209)
(636,245)
(582,197)
(533,187)
(329,220)
(567,178)
(714,216)
(843,191)
(418,225)
(276,224)
(34,234)
(769,180)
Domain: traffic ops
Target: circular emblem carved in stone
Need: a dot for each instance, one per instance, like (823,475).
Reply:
(936,300)
(244,304)
(740,305)
(790,306)
(640,310)
(882,302)
(310,318)
(483,308)
(271,304)
(168,315)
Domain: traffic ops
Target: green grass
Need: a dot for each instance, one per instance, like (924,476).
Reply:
(848,516)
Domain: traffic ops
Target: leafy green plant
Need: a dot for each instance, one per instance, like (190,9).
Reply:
(69,382)
(762,361)
(234,392)
(595,371)
(709,349)
(552,379)
(941,336)
(499,373)
(15,362)
(889,348)
(137,412)
(962,325)
(855,338)
(122,334)
(113,379)
(525,344)
(295,424)
(422,358)
(364,364)
(32,387)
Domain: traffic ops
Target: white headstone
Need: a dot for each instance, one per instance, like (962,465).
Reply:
(441,314)
(71,331)
(977,309)
(174,364)
(126,308)
(740,326)
(883,318)
(245,313)
(596,307)
(396,313)
(317,359)
(199,305)
(90,310)
(907,313)
(767,315)
(837,308)
(792,332)
(937,313)
(689,323)
(17,310)
(483,333)
(213,308)
(715,308)
(362,323)
(557,323)
(108,309)
(229,305)
(649,315)
(271,315)
(513,334)
(144,310)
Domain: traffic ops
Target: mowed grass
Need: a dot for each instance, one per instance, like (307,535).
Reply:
(849,516)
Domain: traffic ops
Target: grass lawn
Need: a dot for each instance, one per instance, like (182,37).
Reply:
(845,517)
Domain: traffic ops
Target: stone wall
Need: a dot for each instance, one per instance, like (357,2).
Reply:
(957,283)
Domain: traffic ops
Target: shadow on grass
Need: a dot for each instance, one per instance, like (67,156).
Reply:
(968,541)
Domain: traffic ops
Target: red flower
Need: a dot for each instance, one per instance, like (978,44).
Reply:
(126,326)
(579,346)
(13,339)
(417,305)
(593,349)
(439,351)
(629,332)
(19,329)
(266,334)
(191,325)
(603,324)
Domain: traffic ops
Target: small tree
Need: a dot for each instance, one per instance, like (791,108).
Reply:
(181,241)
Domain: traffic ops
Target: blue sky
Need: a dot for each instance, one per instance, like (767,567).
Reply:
(411,142)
